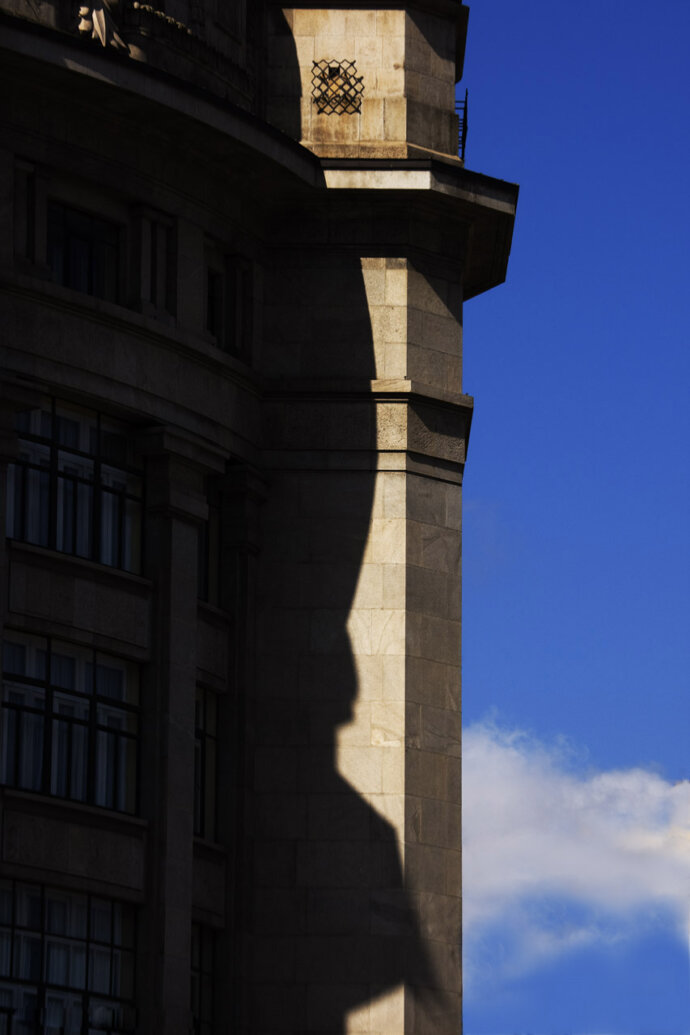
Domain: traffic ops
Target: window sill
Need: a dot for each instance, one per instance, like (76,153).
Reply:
(198,346)
(213,613)
(209,850)
(60,561)
(75,811)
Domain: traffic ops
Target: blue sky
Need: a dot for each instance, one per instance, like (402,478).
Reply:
(577,519)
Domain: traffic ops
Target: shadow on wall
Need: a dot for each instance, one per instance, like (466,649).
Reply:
(284,82)
(330,929)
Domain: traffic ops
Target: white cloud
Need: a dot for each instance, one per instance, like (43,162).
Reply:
(539,834)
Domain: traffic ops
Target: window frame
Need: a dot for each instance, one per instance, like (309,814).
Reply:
(122,948)
(101,741)
(56,205)
(205,808)
(230,280)
(55,483)
(203,978)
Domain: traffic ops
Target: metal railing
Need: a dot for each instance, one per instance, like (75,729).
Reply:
(461,112)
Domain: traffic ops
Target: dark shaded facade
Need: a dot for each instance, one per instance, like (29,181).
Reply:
(235,240)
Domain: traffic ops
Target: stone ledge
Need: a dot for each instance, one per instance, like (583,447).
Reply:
(341,389)
(56,594)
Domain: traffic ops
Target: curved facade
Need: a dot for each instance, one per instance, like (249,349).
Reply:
(235,240)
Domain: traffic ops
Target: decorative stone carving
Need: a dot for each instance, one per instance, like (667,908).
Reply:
(97,21)
(162,17)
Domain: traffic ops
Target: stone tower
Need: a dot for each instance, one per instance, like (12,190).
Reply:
(235,242)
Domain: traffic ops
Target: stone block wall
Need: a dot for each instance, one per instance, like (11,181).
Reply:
(354,789)
(405,62)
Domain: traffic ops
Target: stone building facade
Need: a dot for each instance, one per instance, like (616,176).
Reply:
(235,241)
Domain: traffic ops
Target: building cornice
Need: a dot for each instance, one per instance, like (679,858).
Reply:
(486,205)
(27,41)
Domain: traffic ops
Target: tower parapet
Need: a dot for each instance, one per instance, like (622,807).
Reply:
(375,80)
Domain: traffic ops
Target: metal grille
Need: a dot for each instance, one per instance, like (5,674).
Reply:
(336,87)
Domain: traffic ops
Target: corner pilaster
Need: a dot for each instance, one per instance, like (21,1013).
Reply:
(176,468)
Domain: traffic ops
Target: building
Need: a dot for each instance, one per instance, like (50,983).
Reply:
(235,239)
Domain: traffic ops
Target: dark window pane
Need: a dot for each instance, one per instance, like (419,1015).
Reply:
(214,303)
(91,751)
(202,978)
(28,907)
(131,542)
(5,902)
(36,506)
(67,432)
(106,760)
(83,251)
(25,1020)
(113,447)
(62,671)
(110,682)
(66,914)
(60,754)
(99,970)
(123,926)
(205,764)
(52,957)
(61,498)
(9,746)
(14,658)
(56,963)
(27,956)
(111,518)
(84,523)
(5,952)
(101,920)
(30,745)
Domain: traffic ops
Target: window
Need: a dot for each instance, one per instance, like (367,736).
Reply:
(209,551)
(69,722)
(66,962)
(84,251)
(156,263)
(24,211)
(230,304)
(202,979)
(205,732)
(74,488)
